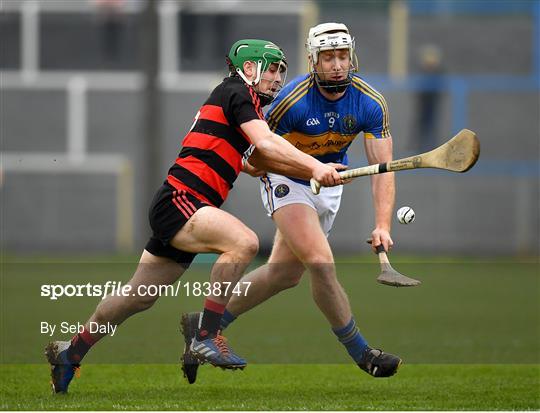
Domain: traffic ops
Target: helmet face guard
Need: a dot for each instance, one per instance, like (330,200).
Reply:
(274,85)
(330,36)
(264,54)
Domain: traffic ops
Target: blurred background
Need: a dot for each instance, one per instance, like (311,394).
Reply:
(96,96)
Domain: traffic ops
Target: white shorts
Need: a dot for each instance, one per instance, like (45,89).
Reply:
(278,191)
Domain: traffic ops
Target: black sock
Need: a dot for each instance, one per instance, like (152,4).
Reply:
(211,320)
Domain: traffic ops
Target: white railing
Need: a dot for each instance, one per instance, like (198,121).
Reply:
(170,76)
(77,83)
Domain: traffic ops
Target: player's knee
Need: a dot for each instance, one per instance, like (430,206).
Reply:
(322,268)
(318,259)
(247,246)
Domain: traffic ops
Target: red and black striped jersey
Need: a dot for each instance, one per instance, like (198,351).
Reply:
(211,155)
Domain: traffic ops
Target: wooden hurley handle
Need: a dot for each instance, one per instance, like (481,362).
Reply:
(379,248)
(459,154)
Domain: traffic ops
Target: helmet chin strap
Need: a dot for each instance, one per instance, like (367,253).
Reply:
(333,87)
(245,79)
(265,99)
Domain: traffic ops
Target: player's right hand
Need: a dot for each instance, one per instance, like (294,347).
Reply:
(381,236)
(327,175)
(251,170)
(340,167)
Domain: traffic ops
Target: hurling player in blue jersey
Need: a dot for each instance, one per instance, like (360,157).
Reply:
(321,113)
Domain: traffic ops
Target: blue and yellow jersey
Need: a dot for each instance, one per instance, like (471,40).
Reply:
(323,128)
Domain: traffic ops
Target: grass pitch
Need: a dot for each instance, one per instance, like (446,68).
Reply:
(277,387)
(460,335)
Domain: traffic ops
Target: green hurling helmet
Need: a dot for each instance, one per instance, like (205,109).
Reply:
(262,52)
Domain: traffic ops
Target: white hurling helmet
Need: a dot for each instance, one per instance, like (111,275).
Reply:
(330,36)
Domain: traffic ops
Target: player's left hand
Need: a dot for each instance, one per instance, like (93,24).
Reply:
(381,236)
(251,170)
(340,167)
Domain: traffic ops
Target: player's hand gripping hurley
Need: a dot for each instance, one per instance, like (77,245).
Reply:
(459,154)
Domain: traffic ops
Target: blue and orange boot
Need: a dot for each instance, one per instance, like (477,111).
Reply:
(62,370)
(217,352)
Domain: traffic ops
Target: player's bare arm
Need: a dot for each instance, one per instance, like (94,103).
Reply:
(383,190)
(257,163)
(279,156)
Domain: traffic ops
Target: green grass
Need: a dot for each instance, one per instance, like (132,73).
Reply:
(277,387)
(460,335)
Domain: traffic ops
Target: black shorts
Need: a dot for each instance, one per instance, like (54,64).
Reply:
(169,212)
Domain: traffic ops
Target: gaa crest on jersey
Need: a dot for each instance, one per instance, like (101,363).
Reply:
(349,123)
(281,191)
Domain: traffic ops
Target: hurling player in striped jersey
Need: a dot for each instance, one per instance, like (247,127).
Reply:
(321,113)
(185,213)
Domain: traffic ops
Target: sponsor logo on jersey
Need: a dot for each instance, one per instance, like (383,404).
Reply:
(281,191)
(349,123)
(313,122)
(331,115)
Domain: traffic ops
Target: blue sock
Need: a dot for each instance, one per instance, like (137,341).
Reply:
(351,338)
(227,319)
